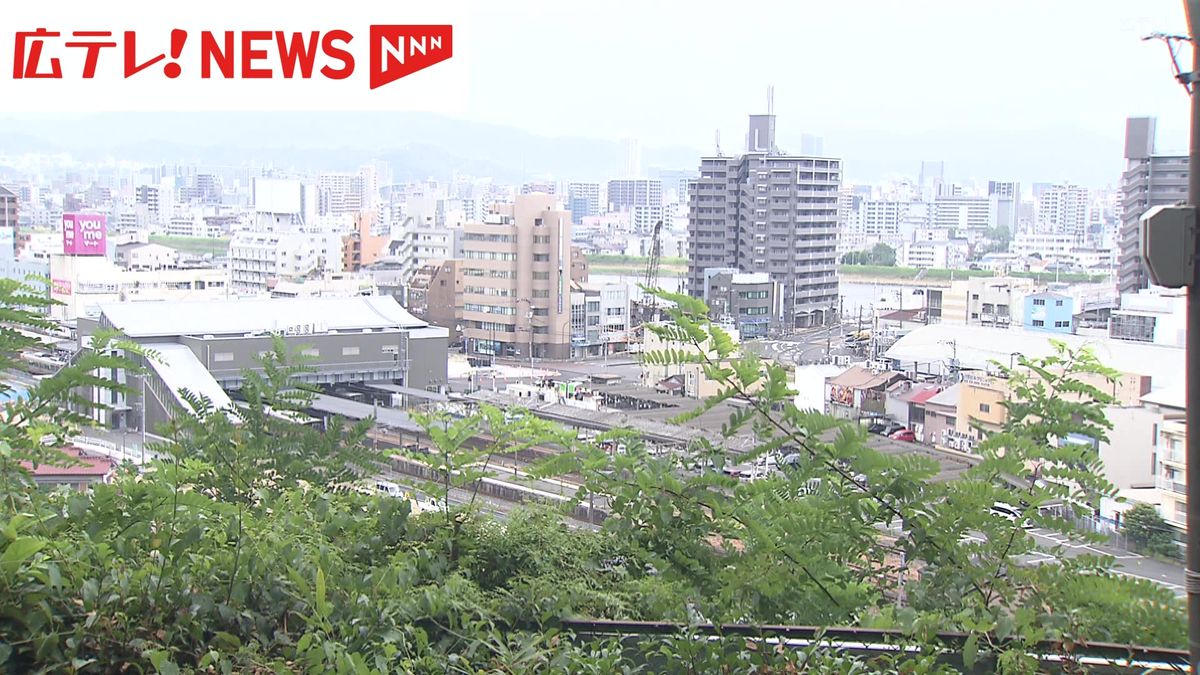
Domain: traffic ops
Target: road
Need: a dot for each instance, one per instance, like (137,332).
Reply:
(810,346)
(1125,563)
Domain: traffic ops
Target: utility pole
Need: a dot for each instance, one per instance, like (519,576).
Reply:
(1192,573)
(143,425)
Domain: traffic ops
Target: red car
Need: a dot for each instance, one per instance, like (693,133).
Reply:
(904,435)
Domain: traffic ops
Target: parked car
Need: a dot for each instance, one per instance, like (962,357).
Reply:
(1011,513)
(884,427)
(903,435)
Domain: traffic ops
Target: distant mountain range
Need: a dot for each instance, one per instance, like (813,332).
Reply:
(425,145)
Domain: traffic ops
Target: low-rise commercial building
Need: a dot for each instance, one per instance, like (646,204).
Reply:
(1047,311)
(257,259)
(946,254)
(517,280)
(325,286)
(205,348)
(1171,474)
(750,301)
(997,301)
(81,284)
(435,295)
(690,380)
(1158,316)
(859,392)
(85,469)
(906,402)
(144,256)
(941,420)
(600,319)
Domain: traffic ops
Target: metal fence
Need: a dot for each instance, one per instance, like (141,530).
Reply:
(1112,532)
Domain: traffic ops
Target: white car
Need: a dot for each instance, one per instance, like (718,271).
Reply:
(389,489)
(1010,513)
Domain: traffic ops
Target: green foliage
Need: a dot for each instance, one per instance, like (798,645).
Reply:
(1149,531)
(243,551)
(880,254)
(199,245)
(34,427)
(909,273)
(259,443)
(995,240)
(602,258)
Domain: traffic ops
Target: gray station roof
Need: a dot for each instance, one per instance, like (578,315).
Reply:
(977,346)
(239,317)
(180,370)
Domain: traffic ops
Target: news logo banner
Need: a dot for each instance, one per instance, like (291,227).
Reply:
(232,56)
(84,234)
(394,51)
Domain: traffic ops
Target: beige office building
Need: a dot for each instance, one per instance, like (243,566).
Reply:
(517,281)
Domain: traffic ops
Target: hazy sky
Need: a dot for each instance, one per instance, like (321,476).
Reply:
(1037,88)
(673,72)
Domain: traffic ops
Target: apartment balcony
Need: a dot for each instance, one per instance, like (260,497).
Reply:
(1172,486)
(816,269)
(1172,457)
(816,255)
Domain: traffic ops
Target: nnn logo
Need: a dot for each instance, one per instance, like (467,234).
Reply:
(399,51)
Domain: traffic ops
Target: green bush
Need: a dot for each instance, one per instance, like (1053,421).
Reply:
(1148,531)
(245,550)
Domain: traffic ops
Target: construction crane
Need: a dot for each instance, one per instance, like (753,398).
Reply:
(651,281)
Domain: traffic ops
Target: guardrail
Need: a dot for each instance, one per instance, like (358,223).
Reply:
(1117,658)
(134,454)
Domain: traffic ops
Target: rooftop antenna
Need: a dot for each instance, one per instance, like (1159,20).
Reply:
(719,143)
(771,117)
(1172,41)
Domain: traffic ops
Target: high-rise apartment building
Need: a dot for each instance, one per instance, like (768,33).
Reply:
(339,194)
(1005,199)
(932,176)
(368,175)
(9,211)
(961,212)
(674,182)
(1004,188)
(362,248)
(641,197)
(1063,209)
(148,195)
(880,220)
(1149,180)
(631,158)
(517,280)
(764,211)
(583,200)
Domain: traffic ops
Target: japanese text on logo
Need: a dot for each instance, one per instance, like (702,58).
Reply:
(394,52)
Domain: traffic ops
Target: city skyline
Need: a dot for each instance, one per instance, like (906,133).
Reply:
(426,145)
(989,110)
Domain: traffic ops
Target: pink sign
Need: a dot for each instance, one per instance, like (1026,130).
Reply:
(84,233)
